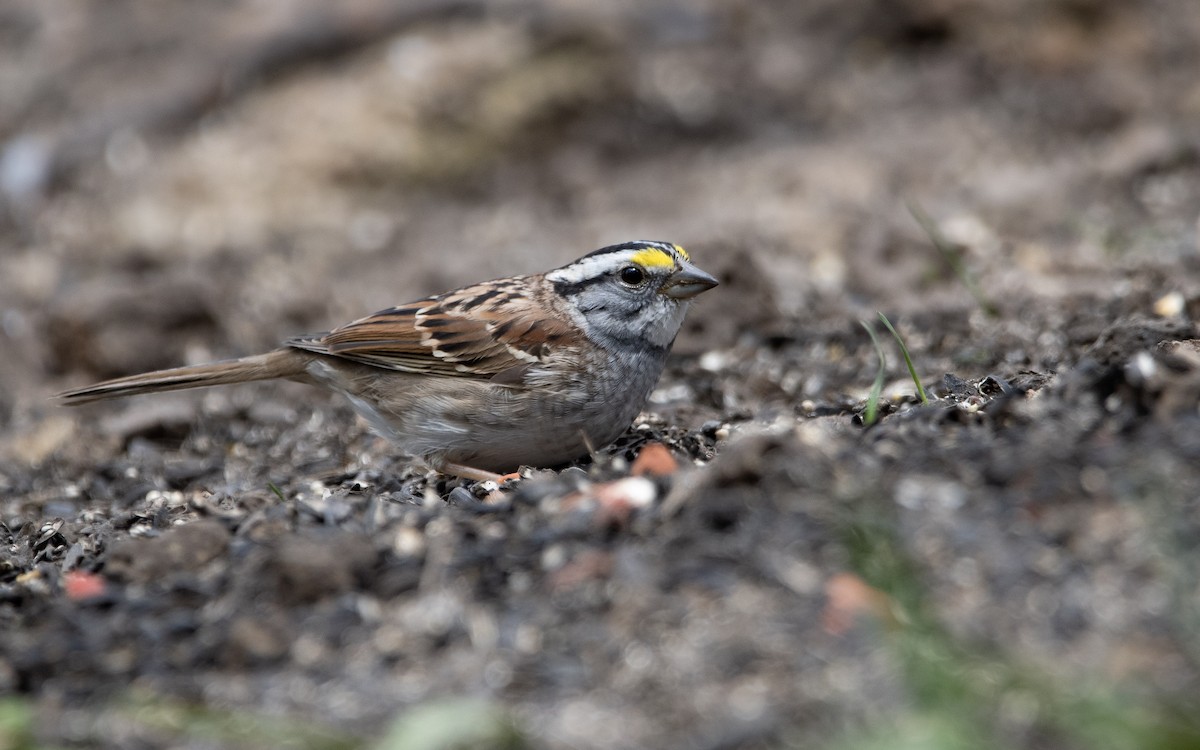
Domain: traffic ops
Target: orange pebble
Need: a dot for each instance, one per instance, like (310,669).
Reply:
(656,460)
(80,584)
(849,597)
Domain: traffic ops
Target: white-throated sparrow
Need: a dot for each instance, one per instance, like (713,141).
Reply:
(528,370)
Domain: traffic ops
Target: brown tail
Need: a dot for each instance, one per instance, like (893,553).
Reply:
(281,363)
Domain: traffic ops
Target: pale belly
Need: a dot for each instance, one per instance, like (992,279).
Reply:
(491,427)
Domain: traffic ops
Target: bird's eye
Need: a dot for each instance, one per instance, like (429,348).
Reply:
(633,276)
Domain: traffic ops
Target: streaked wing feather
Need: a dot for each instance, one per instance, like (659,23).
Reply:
(478,331)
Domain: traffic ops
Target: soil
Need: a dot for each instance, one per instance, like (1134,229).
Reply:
(757,562)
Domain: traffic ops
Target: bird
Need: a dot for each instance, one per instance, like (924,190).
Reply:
(531,370)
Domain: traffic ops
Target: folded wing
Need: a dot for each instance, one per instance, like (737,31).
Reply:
(482,331)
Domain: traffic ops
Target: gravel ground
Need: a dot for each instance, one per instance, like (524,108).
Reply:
(757,563)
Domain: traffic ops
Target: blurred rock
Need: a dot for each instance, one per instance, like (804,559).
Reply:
(181,549)
(309,568)
(1136,333)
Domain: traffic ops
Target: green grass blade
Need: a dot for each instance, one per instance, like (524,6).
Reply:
(912,371)
(871,412)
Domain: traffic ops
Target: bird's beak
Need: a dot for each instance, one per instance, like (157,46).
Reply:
(687,282)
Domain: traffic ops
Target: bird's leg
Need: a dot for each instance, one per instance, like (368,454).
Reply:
(467,472)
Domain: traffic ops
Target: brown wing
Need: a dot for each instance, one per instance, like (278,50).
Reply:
(481,331)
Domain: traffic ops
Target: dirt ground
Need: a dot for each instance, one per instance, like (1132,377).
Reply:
(756,564)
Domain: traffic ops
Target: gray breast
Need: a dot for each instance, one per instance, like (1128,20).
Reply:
(556,420)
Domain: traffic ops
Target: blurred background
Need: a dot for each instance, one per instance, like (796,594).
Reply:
(192,180)
(188,181)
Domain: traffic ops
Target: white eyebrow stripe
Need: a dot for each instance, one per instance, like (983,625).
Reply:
(592,266)
(589,268)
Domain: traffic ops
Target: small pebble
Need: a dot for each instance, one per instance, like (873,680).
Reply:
(637,492)
(462,496)
(1169,305)
(554,557)
(655,460)
(483,489)
(409,542)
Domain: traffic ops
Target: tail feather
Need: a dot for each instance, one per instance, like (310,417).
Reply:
(281,363)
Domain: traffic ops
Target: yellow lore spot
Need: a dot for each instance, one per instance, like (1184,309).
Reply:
(652,257)
(682,252)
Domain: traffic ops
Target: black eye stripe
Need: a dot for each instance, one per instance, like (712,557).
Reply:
(571,288)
